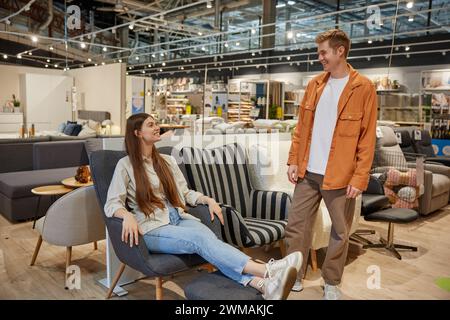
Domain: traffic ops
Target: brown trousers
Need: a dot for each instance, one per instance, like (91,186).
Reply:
(307,196)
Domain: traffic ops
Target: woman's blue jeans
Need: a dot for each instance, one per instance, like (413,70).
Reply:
(184,236)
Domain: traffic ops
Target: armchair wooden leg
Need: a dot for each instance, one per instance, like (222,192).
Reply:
(282,244)
(313,254)
(95,245)
(115,280)
(36,250)
(159,288)
(68,256)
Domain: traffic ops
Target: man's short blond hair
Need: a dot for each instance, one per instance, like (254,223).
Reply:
(336,38)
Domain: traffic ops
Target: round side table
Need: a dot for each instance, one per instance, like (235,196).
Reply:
(72,183)
(51,190)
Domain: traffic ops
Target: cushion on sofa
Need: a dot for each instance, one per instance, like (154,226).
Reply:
(48,155)
(19,184)
(16,157)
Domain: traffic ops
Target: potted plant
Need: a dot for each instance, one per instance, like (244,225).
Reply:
(16,104)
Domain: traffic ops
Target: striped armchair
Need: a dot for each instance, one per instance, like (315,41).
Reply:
(252,217)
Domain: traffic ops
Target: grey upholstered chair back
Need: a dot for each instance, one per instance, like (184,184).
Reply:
(424,145)
(388,151)
(74,219)
(220,173)
(406,143)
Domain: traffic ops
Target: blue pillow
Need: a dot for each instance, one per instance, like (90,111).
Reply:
(77,130)
(61,127)
(68,130)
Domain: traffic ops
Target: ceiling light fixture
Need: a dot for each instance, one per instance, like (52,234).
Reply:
(290,34)
(83,45)
(199,33)
(30,53)
(48,60)
(162,54)
(143,71)
(149,65)
(253,31)
(407,48)
(238,43)
(51,48)
(443,53)
(113,30)
(137,58)
(225,45)
(281,5)
(104,49)
(182,68)
(19,56)
(46,65)
(208,4)
(103,63)
(288,58)
(153,56)
(131,26)
(160,70)
(34,38)
(369,41)
(89,59)
(410,19)
(56,66)
(163,64)
(5,56)
(410,4)
(120,60)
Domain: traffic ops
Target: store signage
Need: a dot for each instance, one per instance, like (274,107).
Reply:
(374,19)
(74,18)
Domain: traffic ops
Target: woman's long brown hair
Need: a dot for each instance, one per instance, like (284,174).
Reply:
(145,195)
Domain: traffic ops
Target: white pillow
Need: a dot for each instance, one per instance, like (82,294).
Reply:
(222,126)
(87,132)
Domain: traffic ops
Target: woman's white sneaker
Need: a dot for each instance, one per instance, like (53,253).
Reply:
(279,286)
(298,286)
(295,259)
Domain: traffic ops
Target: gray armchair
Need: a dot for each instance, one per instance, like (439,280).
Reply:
(72,220)
(103,163)
(436,177)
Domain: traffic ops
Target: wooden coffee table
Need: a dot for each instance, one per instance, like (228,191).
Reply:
(72,183)
(51,190)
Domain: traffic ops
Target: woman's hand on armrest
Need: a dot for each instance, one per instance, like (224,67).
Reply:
(130,228)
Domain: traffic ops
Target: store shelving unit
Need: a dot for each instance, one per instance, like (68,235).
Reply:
(435,97)
(241,99)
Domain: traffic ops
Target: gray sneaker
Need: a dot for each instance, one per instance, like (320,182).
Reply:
(298,286)
(279,286)
(331,292)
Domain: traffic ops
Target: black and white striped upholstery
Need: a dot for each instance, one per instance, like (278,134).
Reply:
(252,217)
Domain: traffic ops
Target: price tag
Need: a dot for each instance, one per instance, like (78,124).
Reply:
(417,135)
(399,137)
(379,133)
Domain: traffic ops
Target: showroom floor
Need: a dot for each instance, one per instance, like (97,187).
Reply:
(414,277)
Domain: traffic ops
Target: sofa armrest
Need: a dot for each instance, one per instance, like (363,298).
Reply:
(434,168)
(202,212)
(235,230)
(426,197)
(270,205)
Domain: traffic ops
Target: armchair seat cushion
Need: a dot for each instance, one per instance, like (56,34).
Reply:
(373,202)
(396,215)
(215,286)
(440,184)
(265,231)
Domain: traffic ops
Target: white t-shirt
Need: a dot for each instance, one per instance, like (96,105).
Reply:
(324,124)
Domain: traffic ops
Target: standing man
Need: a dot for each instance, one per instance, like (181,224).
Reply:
(331,155)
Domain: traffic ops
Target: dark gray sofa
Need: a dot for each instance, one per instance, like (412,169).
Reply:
(24,166)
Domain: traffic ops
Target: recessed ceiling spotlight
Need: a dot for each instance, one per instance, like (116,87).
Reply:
(56,66)
(410,4)
(203,48)
(410,19)
(225,45)
(131,26)
(288,58)
(182,68)
(208,4)
(369,41)
(104,49)
(253,31)
(137,58)
(153,55)
(407,48)
(89,59)
(30,53)
(51,48)
(253,54)
(48,60)
(5,56)
(120,60)
(238,43)
(34,38)
(163,64)
(200,33)
(160,70)
(149,65)
(46,65)
(143,71)
(290,34)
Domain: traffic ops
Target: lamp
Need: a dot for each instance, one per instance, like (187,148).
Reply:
(107,125)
